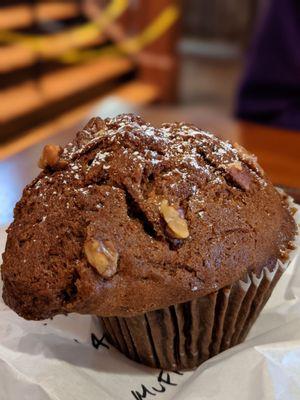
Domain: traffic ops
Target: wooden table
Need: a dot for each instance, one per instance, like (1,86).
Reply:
(278,150)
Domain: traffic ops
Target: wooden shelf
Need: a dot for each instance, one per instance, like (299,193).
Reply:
(15,56)
(18,56)
(22,16)
(55,86)
(135,92)
(138,92)
(37,87)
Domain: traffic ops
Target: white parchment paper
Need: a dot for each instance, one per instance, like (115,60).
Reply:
(67,358)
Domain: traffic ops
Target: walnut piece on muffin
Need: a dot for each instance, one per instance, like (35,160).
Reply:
(129,218)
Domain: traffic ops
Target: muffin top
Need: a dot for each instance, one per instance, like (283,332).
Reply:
(129,218)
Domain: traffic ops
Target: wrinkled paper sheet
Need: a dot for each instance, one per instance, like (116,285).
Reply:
(68,358)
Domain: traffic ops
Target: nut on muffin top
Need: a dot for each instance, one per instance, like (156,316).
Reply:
(129,218)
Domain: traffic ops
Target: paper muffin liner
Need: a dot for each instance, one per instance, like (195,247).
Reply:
(183,336)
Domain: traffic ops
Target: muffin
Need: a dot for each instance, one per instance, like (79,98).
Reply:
(172,237)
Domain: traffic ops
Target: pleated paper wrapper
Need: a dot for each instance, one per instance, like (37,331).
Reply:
(183,336)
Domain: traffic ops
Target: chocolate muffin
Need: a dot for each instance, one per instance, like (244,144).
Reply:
(174,238)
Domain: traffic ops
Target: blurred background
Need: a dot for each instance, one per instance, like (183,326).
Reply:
(61,61)
(229,66)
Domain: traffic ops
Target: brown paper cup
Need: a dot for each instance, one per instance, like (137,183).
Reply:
(184,335)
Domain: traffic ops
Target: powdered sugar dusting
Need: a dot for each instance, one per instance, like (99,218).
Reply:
(176,151)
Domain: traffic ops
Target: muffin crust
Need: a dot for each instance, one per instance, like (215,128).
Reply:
(108,185)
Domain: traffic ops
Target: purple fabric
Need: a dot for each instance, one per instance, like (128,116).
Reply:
(270,90)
